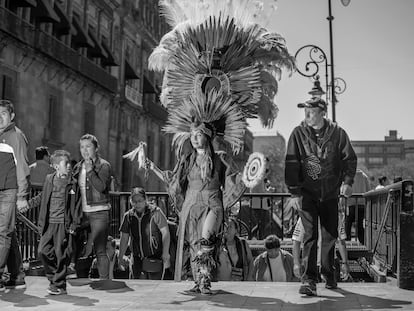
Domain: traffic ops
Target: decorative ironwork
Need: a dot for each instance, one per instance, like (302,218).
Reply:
(309,60)
(339,85)
(315,57)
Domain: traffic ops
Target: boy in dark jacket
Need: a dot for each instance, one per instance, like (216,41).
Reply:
(319,171)
(59,217)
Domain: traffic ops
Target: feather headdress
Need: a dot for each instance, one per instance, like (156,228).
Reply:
(227,121)
(217,51)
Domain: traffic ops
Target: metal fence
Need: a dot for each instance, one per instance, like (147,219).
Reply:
(259,214)
(390,213)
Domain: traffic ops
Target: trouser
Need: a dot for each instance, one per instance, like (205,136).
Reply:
(99,224)
(10,255)
(53,252)
(136,270)
(351,218)
(327,212)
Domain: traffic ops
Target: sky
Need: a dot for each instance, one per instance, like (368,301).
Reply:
(373,44)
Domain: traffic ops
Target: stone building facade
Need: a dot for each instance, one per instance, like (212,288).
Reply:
(80,66)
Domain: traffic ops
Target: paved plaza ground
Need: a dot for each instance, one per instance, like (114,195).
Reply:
(84,294)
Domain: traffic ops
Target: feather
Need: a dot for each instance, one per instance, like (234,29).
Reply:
(267,111)
(138,153)
(220,66)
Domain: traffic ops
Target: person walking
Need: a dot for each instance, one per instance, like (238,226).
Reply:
(14,172)
(319,171)
(94,176)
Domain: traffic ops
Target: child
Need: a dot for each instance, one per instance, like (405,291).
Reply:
(145,229)
(59,217)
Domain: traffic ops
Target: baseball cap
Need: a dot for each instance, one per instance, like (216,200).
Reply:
(138,191)
(314,102)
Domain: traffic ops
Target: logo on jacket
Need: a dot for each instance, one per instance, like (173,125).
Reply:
(313,167)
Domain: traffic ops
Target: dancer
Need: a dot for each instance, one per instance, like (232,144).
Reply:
(220,68)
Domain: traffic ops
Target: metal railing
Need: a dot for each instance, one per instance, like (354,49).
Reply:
(389,212)
(259,214)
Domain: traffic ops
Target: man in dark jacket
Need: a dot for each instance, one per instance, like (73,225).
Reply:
(319,160)
(14,170)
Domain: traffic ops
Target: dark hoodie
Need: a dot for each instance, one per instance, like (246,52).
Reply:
(317,167)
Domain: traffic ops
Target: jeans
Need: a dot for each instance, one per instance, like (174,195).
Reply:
(10,255)
(99,224)
(327,212)
(53,252)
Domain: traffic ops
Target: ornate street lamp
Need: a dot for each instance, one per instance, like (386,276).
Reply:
(315,57)
(330,19)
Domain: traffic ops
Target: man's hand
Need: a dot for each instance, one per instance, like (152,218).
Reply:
(296,203)
(22,206)
(346,190)
(166,261)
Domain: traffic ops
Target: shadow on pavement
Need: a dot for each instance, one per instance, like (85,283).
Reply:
(119,286)
(75,300)
(22,300)
(348,301)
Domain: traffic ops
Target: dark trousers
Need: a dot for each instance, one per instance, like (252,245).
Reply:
(99,225)
(10,255)
(54,254)
(137,271)
(327,212)
(350,218)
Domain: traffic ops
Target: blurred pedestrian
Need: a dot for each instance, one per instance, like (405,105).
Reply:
(40,168)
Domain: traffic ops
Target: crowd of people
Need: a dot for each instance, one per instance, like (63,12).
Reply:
(74,212)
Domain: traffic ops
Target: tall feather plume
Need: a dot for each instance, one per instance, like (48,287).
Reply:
(220,64)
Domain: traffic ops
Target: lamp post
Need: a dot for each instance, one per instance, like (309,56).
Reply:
(334,85)
(332,67)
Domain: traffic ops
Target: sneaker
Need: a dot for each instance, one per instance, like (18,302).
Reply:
(53,290)
(205,290)
(71,272)
(195,289)
(308,289)
(331,284)
(15,284)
